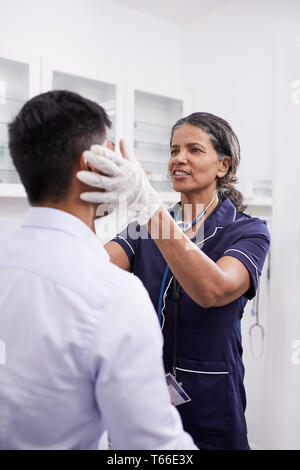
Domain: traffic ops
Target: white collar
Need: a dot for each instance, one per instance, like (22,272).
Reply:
(54,219)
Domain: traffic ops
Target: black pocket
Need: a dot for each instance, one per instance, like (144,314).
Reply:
(207,385)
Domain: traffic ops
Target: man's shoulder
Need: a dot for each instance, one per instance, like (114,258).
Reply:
(64,261)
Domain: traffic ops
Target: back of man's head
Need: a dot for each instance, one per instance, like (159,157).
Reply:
(47,138)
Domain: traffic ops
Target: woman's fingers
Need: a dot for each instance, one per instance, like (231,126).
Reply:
(106,152)
(100,198)
(91,178)
(101,163)
(124,148)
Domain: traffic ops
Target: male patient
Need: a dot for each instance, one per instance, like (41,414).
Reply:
(83,344)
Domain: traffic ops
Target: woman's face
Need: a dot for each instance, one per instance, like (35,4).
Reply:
(194,164)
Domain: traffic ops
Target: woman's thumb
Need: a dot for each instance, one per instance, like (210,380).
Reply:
(124,148)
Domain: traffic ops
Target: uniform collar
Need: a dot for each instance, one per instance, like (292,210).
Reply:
(54,219)
(224,215)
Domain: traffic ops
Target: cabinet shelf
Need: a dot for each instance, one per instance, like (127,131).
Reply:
(152,162)
(12,190)
(9,176)
(151,145)
(154,116)
(148,126)
(16,100)
(260,201)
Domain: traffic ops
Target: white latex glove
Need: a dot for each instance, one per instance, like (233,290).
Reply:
(122,177)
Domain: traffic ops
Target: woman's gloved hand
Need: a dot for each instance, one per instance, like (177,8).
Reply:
(121,178)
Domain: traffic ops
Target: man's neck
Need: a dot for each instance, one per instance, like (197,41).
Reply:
(82,210)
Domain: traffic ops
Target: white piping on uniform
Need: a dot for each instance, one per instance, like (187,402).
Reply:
(164,304)
(202,372)
(234,214)
(118,236)
(233,249)
(209,236)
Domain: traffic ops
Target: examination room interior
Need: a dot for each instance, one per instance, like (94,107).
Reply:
(150,62)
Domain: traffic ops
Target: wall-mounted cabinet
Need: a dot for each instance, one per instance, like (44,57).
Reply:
(143,115)
(154,117)
(19,81)
(102,93)
(102,88)
(152,113)
(258,198)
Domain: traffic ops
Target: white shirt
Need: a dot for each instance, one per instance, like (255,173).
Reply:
(83,345)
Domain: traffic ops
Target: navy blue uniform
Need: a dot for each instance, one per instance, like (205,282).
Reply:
(209,350)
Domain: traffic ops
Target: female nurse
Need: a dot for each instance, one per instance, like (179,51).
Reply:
(200,262)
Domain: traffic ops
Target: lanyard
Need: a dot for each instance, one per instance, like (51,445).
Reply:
(175,298)
(184,227)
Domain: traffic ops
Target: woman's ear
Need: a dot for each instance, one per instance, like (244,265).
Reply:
(224,167)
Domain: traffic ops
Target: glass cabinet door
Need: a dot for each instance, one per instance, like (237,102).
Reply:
(154,117)
(14,91)
(101,92)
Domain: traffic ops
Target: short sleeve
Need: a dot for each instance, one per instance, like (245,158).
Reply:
(127,239)
(251,248)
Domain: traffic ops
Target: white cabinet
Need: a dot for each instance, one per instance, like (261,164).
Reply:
(151,115)
(258,197)
(100,92)
(99,87)
(19,81)
(143,115)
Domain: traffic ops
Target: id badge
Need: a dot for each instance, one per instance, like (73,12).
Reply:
(177,394)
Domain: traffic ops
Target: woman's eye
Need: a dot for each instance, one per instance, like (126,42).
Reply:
(195,150)
(173,152)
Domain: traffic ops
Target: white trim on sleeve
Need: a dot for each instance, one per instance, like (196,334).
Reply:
(122,238)
(212,235)
(203,372)
(234,214)
(233,249)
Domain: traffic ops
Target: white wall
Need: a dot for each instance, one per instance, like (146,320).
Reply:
(232,66)
(229,59)
(101,33)
(283,386)
(98,34)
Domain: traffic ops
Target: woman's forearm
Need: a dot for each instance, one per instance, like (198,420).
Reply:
(201,278)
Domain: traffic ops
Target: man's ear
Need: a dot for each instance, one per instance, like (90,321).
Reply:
(224,167)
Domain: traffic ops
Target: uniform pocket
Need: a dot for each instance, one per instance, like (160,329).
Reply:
(207,385)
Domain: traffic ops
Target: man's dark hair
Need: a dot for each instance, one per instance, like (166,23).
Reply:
(47,138)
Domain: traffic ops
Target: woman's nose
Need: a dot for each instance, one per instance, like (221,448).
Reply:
(181,156)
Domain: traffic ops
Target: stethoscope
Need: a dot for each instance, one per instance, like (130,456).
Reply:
(185,226)
(257,326)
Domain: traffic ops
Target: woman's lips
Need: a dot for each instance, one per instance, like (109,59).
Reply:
(182,176)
